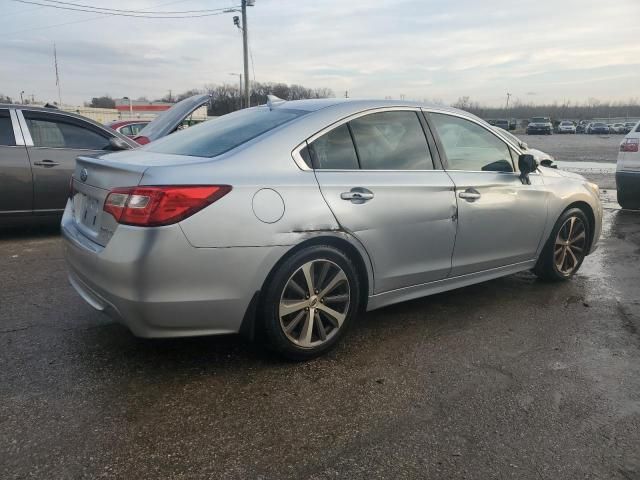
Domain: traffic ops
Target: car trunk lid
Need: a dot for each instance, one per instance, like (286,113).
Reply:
(92,180)
(169,120)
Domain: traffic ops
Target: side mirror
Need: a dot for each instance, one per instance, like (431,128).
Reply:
(117,144)
(527,164)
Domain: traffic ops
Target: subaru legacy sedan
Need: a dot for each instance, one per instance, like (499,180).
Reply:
(283,221)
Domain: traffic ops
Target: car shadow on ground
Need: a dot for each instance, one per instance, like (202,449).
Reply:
(441,314)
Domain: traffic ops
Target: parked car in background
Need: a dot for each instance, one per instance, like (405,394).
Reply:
(617,128)
(540,126)
(598,128)
(566,126)
(539,155)
(502,123)
(172,120)
(582,126)
(130,128)
(629,126)
(628,170)
(39,150)
(321,209)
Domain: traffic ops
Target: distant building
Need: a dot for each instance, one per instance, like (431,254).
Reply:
(149,110)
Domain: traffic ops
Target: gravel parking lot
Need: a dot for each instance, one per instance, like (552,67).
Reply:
(577,148)
(509,379)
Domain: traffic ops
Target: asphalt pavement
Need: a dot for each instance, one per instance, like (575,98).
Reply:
(513,378)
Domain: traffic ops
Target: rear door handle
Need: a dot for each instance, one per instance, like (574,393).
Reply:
(46,163)
(357,195)
(470,195)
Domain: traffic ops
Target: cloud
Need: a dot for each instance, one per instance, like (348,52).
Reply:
(419,48)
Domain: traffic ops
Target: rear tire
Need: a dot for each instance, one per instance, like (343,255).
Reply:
(566,247)
(626,202)
(309,302)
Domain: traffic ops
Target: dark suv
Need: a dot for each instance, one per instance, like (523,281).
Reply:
(540,126)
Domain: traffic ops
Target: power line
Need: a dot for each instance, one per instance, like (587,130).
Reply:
(217,12)
(98,9)
(91,19)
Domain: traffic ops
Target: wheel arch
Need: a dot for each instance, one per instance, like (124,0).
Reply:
(591,217)
(340,240)
(350,246)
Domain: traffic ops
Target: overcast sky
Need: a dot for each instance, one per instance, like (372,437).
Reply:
(539,50)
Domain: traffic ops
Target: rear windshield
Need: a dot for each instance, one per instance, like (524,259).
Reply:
(218,136)
(599,125)
(539,120)
(566,123)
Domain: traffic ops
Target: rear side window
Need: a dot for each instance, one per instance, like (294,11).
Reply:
(55,131)
(334,150)
(391,141)
(6,129)
(218,136)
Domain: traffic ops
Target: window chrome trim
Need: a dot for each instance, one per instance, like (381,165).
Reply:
(28,141)
(303,166)
(18,138)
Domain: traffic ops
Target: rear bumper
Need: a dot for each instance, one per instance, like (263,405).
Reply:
(158,285)
(628,184)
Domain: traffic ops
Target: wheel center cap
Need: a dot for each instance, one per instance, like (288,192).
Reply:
(313,301)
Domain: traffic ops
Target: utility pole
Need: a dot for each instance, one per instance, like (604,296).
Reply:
(508,97)
(21,97)
(240,88)
(245,48)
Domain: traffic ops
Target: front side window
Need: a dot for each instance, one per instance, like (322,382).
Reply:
(53,131)
(6,129)
(334,150)
(470,147)
(391,141)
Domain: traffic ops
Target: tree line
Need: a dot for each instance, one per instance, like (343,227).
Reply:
(592,108)
(227,98)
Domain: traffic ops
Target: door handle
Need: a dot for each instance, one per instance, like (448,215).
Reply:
(470,195)
(357,195)
(46,163)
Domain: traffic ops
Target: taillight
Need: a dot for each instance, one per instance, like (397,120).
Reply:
(142,140)
(629,145)
(164,205)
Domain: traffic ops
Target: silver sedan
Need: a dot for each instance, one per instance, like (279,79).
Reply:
(283,221)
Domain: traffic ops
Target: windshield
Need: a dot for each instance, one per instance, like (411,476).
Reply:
(539,120)
(218,136)
(566,124)
(599,125)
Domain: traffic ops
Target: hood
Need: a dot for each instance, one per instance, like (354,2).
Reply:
(539,155)
(554,172)
(169,120)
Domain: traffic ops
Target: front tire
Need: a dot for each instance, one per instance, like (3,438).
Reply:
(566,248)
(309,302)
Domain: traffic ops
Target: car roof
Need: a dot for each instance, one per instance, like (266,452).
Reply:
(357,104)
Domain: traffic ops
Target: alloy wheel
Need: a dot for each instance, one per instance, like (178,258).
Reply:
(570,246)
(314,303)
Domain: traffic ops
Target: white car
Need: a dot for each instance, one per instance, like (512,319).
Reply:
(628,170)
(617,128)
(566,127)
